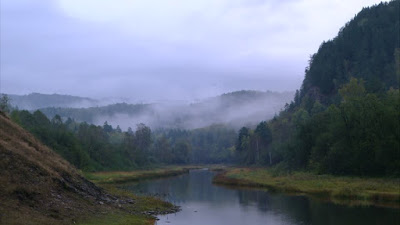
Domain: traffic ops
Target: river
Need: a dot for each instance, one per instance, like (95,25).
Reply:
(203,203)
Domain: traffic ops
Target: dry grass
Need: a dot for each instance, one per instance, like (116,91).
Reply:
(36,183)
(351,190)
(119,219)
(37,187)
(129,176)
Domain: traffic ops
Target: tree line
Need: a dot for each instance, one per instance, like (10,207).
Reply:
(358,136)
(92,148)
(345,117)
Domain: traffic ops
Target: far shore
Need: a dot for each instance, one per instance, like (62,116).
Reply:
(341,190)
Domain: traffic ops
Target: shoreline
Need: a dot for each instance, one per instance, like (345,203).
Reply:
(145,209)
(120,177)
(351,191)
(383,192)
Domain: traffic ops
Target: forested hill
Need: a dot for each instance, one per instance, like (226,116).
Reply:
(367,47)
(236,108)
(35,101)
(345,118)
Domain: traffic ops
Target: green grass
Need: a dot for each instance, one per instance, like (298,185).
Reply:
(119,219)
(351,190)
(129,176)
(132,214)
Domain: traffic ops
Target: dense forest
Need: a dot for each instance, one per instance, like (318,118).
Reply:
(359,136)
(343,120)
(92,148)
(366,48)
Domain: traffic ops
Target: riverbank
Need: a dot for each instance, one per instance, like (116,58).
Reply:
(343,190)
(119,177)
(143,208)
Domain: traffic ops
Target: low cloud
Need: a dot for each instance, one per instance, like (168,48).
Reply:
(150,50)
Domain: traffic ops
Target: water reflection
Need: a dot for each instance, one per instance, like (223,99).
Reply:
(204,203)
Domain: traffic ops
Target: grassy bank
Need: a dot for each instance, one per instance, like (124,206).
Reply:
(345,190)
(117,177)
(144,208)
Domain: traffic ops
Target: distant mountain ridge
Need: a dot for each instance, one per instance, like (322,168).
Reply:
(35,101)
(236,108)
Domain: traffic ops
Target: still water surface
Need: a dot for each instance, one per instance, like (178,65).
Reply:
(203,203)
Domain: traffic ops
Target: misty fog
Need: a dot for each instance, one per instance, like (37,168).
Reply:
(235,109)
(217,110)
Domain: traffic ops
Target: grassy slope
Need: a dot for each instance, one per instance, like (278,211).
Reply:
(349,190)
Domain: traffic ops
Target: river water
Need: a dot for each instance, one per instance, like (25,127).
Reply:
(203,203)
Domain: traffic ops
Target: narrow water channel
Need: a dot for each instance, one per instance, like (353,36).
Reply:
(203,203)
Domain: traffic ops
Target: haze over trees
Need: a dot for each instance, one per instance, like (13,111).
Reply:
(36,101)
(91,147)
(236,109)
(343,120)
(72,160)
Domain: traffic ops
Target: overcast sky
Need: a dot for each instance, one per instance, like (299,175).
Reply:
(163,49)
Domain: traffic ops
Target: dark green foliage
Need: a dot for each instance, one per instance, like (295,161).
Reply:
(55,135)
(107,128)
(254,146)
(89,147)
(5,103)
(367,47)
(213,144)
(163,150)
(181,152)
(358,136)
(143,141)
(345,119)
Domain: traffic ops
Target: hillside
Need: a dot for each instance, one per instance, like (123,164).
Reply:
(35,101)
(345,118)
(37,186)
(367,47)
(236,109)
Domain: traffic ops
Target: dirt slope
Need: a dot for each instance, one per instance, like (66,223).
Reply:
(37,186)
